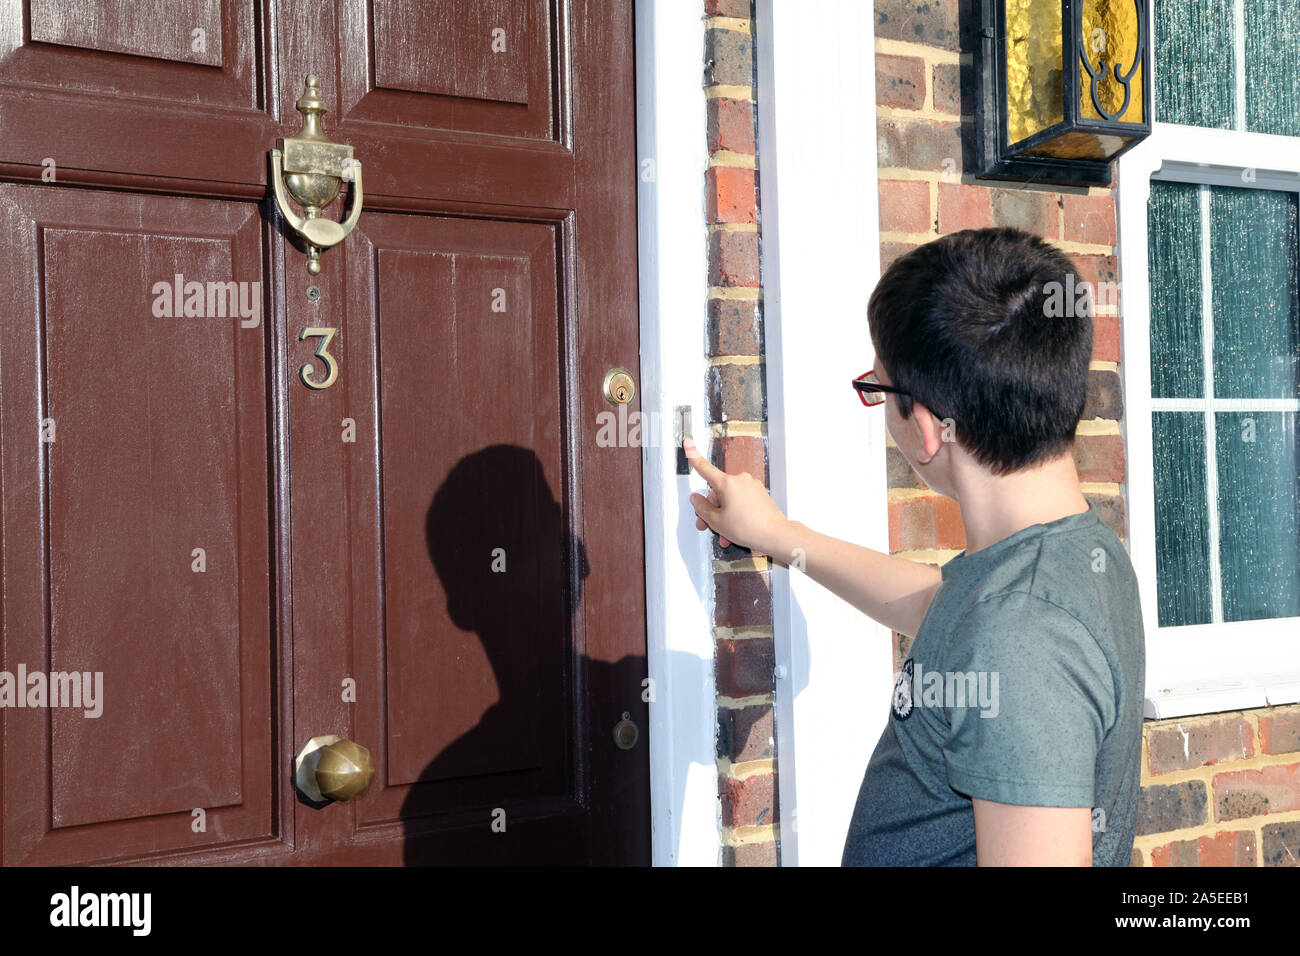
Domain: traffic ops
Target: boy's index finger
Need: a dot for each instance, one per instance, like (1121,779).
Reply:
(702,465)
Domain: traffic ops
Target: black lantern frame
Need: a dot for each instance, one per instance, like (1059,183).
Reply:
(996,157)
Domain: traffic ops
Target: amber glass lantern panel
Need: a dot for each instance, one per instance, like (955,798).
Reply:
(1034,80)
(1109,40)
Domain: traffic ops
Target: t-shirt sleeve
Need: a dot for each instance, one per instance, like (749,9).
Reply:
(1032,737)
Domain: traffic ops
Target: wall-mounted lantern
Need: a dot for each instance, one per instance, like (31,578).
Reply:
(1065,87)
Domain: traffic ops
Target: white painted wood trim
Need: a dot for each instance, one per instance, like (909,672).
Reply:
(673,272)
(1211,667)
(821,259)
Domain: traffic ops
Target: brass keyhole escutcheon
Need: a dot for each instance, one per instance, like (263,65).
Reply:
(626,733)
(619,386)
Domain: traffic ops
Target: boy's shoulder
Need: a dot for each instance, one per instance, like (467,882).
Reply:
(1073,567)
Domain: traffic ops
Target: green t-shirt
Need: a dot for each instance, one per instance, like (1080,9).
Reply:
(1024,685)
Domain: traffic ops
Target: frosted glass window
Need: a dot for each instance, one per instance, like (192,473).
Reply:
(1194,80)
(1182,533)
(1272,66)
(1257,514)
(1174,257)
(1228,64)
(1225,381)
(1253,247)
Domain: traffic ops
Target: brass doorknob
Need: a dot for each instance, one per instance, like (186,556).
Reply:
(330,767)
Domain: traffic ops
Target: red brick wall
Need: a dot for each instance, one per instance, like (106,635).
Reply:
(1217,790)
(737,422)
(1221,790)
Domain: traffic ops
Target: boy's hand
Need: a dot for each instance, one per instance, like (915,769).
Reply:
(738,507)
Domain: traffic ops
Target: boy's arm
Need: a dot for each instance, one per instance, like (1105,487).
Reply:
(1010,835)
(894,591)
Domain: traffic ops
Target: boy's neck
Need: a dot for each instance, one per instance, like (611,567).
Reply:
(994,508)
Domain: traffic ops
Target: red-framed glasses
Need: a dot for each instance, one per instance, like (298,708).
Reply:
(871,391)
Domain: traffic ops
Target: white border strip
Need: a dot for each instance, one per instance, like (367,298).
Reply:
(1211,435)
(673,271)
(817,144)
(1239,59)
(1226,404)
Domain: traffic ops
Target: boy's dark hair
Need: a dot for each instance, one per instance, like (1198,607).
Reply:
(971,325)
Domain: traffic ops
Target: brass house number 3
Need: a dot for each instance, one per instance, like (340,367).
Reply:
(307,373)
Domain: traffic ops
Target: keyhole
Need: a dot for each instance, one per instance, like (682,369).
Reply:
(618,386)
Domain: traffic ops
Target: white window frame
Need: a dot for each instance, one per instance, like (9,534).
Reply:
(1204,668)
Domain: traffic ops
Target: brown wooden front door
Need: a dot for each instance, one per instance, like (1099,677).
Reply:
(432,557)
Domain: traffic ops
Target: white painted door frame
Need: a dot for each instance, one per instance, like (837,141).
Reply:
(673,271)
(817,168)
(821,260)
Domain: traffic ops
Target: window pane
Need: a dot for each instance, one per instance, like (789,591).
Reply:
(1182,535)
(1174,258)
(1194,80)
(1273,66)
(1256,293)
(1259,534)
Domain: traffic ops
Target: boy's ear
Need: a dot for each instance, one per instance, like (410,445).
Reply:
(933,432)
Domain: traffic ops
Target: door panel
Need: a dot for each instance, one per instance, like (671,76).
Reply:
(158,449)
(490,67)
(463,420)
(189,32)
(476,645)
(353,535)
(452,119)
(120,87)
(493,51)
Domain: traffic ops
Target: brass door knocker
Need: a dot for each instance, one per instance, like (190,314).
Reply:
(313,170)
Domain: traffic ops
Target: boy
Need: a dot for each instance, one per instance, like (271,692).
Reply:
(1015,730)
